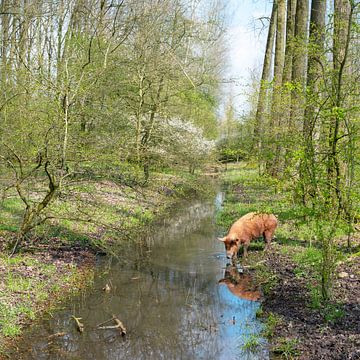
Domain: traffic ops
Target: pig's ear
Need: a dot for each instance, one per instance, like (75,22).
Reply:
(222,239)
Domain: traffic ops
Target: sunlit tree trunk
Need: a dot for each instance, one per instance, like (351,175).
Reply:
(299,63)
(334,204)
(263,98)
(314,77)
(5,30)
(276,115)
(282,153)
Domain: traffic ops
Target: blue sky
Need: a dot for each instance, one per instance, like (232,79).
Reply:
(246,44)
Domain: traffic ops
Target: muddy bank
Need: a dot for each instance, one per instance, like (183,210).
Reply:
(312,335)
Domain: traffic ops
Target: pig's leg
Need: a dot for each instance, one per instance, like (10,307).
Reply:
(245,250)
(268,234)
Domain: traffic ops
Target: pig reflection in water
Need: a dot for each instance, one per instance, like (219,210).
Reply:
(240,285)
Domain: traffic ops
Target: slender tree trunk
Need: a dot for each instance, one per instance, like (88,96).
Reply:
(299,63)
(290,32)
(276,116)
(148,129)
(139,114)
(5,30)
(343,12)
(264,84)
(286,83)
(314,75)
(341,39)
(13,60)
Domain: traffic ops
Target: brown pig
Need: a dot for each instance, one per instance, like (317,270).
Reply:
(247,228)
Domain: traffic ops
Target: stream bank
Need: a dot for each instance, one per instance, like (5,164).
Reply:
(296,323)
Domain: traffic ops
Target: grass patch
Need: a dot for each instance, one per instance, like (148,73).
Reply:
(251,343)
(92,211)
(265,278)
(271,322)
(286,348)
(30,284)
(308,263)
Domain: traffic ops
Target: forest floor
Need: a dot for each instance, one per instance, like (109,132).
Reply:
(296,322)
(58,259)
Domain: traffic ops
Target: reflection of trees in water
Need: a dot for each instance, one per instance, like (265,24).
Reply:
(183,223)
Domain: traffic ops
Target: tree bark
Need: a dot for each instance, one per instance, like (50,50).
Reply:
(299,62)
(343,12)
(276,113)
(264,84)
(341,38)
(5,30)
(286,83)
(290,32)
(314,74)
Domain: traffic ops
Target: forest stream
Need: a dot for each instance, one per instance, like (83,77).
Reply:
(175,294)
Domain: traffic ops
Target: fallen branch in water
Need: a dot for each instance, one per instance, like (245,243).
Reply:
(79,325)
(119,325)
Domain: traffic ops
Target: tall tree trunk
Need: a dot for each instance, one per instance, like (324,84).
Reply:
(299,62)
(5,30)
(286,81)
(290,32)
(24,34)
(275,119)
(314,74)
(264,84)
(343,12)
(341,39)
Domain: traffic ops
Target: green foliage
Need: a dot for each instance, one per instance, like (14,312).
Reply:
(231,154)
(120,110)
(259,312)
(333,312)
(266,278)
(287,348)
(199,106)
(308,263)
(251,343)
(271,322)
(315,297)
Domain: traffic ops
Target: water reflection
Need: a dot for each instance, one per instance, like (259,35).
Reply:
(240,285)
(167,296)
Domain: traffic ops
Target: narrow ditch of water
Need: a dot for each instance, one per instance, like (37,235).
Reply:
(176,296)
